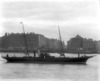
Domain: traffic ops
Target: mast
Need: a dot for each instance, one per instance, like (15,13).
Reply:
(78,52)
(80,48)
(62,49)
(25,39)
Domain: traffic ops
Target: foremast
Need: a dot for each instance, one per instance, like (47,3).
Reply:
(27,54)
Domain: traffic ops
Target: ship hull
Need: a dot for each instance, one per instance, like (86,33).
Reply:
(66,60)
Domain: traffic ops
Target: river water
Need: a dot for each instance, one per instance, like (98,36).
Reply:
(50,72)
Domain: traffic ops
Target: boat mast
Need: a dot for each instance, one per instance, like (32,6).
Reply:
(62,49)
(78,52)
(80,48)
(27,54)
(38,50)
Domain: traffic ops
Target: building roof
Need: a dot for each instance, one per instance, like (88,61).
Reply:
(78,36)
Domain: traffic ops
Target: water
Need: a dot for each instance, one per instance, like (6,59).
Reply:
(51,72)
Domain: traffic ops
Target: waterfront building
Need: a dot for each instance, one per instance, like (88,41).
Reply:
(41,42)
(47,44)
(98,46)
(86,45)
(17,41)
(89,45)
(74,44)
(54,44)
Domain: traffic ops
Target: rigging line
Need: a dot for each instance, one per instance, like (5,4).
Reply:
(25,39)
(61,44)
(62,48)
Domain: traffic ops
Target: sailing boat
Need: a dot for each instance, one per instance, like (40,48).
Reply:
(46,58)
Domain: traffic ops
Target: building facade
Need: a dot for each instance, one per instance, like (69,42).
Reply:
(47,44)
(74,44)
(19,42)
(89,45)
(98,46)
(84,45)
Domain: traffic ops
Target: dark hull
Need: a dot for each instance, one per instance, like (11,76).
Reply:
(47,60)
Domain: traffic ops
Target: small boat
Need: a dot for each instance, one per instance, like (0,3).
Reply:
(47,58)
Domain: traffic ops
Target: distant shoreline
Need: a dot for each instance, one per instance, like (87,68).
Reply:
(48,52)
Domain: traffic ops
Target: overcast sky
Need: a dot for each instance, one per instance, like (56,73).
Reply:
(73,16)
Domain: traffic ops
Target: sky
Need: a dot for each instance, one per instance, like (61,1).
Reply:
(43,17)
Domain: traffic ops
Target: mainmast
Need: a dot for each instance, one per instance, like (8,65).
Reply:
(62,49)
(25,39)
